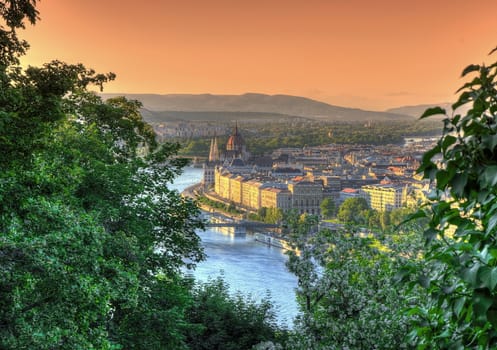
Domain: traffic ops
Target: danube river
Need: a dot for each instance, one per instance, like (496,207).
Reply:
(246,265)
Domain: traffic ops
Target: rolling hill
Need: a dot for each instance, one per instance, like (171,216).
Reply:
(417,110)
(190,107)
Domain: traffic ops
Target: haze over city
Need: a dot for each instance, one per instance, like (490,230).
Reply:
(366,54)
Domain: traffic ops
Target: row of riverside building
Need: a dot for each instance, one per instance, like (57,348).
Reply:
(245,181)
(253,194)
(301,194)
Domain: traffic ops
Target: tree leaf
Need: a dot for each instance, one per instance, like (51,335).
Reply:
(489,141)
(430,234)
(458,183)
(416,215)
(491,224)
(459,305)
(464,98)
(433,111)
(443,178)
(448,141)
(469,69)
(469,275)
(490,176)
(456,119)
(471,84)
(481,304)
(424,281)
(488,276)
(430,154)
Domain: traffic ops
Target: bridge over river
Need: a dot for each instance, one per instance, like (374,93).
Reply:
(218,220)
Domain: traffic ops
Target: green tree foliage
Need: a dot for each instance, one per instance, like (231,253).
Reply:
(327,207)
(274,215)
(385,218)
(14,13)
(196,147)
(228,322)
(268,215)
(353,210)
(373,219)
(462,250)
(91,239)
(263,137)
(347,291)
(399,215)
(262,212)
(227,208)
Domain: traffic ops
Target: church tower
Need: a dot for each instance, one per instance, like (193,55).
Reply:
(214,151)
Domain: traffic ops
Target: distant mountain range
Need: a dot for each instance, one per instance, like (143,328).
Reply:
(417,111)
(253,106)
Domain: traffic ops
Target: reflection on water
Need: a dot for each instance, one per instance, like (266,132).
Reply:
(228,233)
(250,267)
(246,265)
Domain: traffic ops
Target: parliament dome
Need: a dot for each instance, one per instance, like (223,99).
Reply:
(235,141)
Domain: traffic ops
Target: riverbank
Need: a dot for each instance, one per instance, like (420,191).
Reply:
(268,238)
(192,190)
(195,191)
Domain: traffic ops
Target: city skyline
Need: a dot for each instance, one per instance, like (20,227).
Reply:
(371,55)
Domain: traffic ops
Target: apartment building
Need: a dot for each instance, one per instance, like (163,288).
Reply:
(272,197)
(385,197)
(306,196)
(251,194)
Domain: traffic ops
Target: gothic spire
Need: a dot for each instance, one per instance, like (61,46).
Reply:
(214,151)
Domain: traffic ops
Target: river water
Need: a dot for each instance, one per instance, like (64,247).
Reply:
(247,266)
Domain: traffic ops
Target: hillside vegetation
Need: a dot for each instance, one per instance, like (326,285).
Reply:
(292,106)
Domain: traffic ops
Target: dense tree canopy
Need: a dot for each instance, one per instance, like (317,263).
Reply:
(92,240)
(227,322)
(346,288)
(353,210)
(327,207)
(462,249)
(14,13)
(93,243)
(264,137)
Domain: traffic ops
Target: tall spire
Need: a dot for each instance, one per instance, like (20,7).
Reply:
(210,150)
(214,151)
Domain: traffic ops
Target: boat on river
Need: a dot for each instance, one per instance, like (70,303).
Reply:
(270,239)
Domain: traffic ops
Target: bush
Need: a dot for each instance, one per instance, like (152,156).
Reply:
(227,322)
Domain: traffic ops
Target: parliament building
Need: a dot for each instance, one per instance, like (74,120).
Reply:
(237,180)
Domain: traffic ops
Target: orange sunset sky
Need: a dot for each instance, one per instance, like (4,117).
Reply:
(371,54)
